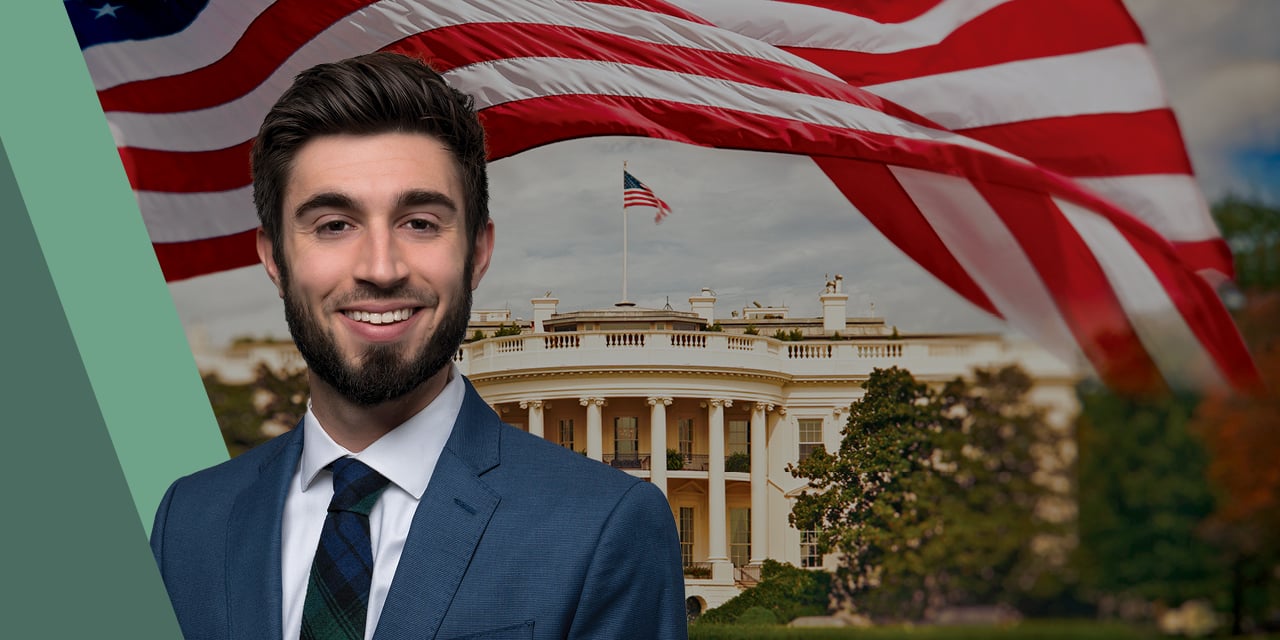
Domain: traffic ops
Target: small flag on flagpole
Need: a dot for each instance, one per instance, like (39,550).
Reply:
(636,194)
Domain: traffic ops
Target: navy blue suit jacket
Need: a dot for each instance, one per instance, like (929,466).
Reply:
(515,537)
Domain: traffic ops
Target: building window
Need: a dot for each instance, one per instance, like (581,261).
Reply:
(566,433)
(739,437)
(740,537)
(809,556)
(626,437)
(686,535)
(685,437)
(810,437)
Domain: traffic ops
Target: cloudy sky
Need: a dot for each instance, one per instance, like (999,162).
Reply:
(765,227)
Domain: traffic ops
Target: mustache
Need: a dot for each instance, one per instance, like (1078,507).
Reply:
(402,292)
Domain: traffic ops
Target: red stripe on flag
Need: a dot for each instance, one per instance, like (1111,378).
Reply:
(1110,144)
(1078,286)
(1042,29)
(1208,319)
(182,260)
(885,11)
(876,193)
(187,172)
(274,35)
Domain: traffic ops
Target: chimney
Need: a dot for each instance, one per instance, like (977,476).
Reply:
(834,305)
(543,309)
(704,305)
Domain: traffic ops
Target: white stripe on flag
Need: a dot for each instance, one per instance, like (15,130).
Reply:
(799,25)
(1165,334)
(1044,88)
(990,255)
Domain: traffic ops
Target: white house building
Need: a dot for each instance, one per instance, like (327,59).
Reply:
(713,410)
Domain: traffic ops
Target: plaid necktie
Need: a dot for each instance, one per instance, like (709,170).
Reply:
(338,589)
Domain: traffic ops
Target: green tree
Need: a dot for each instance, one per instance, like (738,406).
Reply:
(932,496)
(1143,494)
(273,397)
(1252,230)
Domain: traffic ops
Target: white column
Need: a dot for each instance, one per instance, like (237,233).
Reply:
(658,441)
(535,416)
(759,470)
(718,542)
(595,440)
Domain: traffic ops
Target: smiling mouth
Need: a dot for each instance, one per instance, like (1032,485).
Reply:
(386,317)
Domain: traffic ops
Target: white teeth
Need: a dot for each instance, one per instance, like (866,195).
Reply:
(387,317)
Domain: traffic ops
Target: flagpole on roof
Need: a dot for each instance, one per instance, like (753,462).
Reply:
(624,302)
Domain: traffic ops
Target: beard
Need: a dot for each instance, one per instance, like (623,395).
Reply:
(382,373)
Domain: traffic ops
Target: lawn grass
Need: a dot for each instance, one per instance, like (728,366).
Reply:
(1038,629)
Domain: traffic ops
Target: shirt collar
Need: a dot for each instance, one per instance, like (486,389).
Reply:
(406,455)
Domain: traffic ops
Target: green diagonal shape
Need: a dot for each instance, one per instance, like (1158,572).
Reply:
(103,404)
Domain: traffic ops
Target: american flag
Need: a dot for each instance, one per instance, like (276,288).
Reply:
(1022,151)
(638,194)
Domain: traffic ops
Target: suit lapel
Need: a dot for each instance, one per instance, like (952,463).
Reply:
(451,518)
(253,546)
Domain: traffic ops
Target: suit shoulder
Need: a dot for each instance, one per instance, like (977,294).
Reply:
(238,471)
(552,465)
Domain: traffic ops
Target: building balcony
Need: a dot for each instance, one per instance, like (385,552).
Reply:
(597,351)
(698,462)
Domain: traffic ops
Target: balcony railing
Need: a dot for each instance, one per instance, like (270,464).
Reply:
(689,462)
(747,576)
(697,570)
(638,460)
(685,349)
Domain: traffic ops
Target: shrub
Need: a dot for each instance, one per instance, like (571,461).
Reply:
(751,330)
(478,335)
(714,326)
(504,330)
(757,615)
(739,462)
(785,590)
(675,461)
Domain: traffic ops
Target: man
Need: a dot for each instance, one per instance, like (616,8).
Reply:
(401,507)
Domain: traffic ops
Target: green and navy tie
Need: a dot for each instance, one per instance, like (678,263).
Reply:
(338,590)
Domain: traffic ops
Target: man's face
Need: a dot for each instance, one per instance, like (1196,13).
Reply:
(379,275)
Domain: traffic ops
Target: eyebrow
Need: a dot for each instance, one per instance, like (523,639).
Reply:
(325,200)
(423,197)
(410,198)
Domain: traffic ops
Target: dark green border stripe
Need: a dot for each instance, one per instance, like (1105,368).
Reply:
(86,221)
(76,559)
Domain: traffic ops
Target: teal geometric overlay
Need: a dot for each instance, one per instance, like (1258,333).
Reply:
(103,406)
(76,557)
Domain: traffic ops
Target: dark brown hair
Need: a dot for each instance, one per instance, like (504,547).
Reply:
(367,95)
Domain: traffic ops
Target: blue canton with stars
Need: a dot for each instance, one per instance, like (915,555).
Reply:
(102,21)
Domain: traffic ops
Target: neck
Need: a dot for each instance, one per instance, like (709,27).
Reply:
(355,426)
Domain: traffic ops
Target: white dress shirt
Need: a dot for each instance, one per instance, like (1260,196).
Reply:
(406,456)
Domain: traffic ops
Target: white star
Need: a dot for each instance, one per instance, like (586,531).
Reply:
(107,9)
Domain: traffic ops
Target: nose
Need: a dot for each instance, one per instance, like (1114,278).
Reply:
(381,262)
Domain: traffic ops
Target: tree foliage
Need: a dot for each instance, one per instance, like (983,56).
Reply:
(1143,495)
(931,498)
(274,399)
(1252,229)
(1242,436)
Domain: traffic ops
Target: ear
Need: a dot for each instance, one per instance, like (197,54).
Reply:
(268,258)
(483,253)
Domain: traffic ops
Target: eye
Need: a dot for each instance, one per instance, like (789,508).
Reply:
(333,227)
(421,224)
